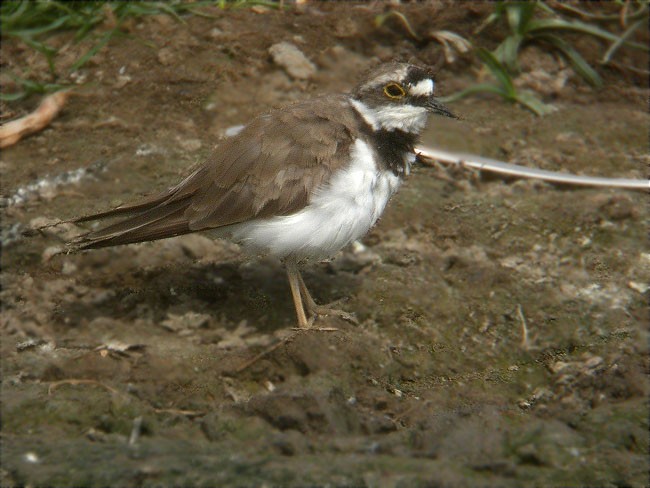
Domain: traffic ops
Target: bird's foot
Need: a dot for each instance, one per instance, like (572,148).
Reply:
(315,311)
(324,310)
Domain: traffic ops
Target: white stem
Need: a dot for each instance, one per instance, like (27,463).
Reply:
(495,166)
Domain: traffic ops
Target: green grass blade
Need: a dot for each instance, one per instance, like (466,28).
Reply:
(494,16)
(10,17)
(62,6)
(30,86)
(577,62)
(93,50)
(540,25)
(573,25)
(534,104)
(497,69)
(508,52)
(168,9)
(34,31)
(12,97)
(621,40)
(519,15)
(44,49)
(39,46)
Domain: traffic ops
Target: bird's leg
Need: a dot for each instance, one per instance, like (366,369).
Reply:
(314,309)
(294,282)
(311,305)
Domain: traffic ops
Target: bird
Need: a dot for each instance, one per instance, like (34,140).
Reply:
(297,183)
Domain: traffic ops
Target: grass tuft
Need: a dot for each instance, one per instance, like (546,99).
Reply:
(33,22)
(504,86)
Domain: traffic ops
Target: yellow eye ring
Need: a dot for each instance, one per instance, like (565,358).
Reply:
(394,91)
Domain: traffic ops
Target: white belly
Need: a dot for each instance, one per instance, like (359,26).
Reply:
(338,213)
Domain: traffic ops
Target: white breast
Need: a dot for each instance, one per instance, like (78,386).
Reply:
(340,212)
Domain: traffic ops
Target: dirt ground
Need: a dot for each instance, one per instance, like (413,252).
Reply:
(502,337)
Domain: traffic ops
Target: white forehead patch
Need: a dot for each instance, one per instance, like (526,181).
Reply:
(422,88)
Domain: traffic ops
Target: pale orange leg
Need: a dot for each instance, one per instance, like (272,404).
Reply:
(294,283)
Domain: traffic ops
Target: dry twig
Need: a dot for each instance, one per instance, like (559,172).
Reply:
(53,386)
(525,345)
(12,132)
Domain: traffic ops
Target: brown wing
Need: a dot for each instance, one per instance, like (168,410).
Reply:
(270,168)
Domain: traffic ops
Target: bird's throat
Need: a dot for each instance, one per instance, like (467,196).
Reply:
(406,118)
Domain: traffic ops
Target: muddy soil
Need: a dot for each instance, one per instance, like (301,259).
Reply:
(502,336)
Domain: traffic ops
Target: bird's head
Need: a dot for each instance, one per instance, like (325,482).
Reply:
(398,96)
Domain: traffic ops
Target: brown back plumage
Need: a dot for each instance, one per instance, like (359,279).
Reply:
(270,168)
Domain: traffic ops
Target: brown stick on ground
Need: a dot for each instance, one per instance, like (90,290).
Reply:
(12,132)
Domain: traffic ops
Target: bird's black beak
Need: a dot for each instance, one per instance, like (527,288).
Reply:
(437,107)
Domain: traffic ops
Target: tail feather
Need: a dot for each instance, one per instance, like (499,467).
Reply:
(152,221)
(143,234)
(183,190)
(129,209)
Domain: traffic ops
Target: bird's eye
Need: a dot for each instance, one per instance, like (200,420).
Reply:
(394,91)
